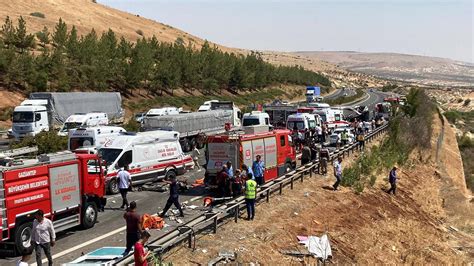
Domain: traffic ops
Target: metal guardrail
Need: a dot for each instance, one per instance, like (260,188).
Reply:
(233,207)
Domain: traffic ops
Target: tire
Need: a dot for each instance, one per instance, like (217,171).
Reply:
(89,215)
(170,174)
(23,238)
(113,186)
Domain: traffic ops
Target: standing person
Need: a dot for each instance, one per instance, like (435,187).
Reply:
(314,152)
(344,137)
(222,178)
(337,172)
(373,124)
(139,254)
(324,158)
(246,170)
(43,237)
(196,154)
(173,198)
(237,184)
(319,132)
(134,228)
(125,183)
(392,179)
(361,140)
(230,169)
(25,257)
(258,169)
(250,195)
(305,155)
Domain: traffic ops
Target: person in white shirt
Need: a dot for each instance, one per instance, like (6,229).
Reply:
(196,154)
(43,237)
(24,259)
(124,183)
(337,172)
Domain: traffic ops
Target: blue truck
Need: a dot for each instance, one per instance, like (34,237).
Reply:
(313,94)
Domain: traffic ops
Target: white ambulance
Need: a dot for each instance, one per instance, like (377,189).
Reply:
(89,140)
(150,156)
(83,120)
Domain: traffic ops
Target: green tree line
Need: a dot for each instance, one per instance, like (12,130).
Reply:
(61,60)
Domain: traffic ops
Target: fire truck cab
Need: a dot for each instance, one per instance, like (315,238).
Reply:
(274,147)
(67,187)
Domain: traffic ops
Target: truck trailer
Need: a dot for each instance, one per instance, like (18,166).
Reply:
(193,127)
(63,185)
(44,111)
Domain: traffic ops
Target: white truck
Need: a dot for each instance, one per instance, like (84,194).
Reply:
(256,118)
(163,111)
(193,127)
(44,111)
(83,120)
(89,140)
(206,106)
(150,156)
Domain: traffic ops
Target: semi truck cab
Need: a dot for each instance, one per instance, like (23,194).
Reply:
(30,118)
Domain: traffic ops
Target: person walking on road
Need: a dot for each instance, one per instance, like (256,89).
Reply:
(258,169)
(125,184)
(134,227)
(139,254)
(250,195)
(196,154)
(392,179)
(337,172)
(173,198)
(43,237)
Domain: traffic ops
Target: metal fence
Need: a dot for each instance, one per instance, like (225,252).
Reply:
(231,209)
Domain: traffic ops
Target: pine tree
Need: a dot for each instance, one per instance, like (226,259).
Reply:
(8,33)
(23,40)
(60,34)
(43,37)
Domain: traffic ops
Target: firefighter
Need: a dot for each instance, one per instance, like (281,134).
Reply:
(250,195)
(173,198)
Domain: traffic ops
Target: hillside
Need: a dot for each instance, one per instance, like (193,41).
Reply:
(85,15)
(410,68)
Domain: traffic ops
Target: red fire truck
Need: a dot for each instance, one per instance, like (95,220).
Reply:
(274,147)
(68,187)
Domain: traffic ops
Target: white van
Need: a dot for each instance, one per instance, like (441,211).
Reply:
(256,118)
(150,156)
(206,106)
(89,140)
(163,111)
(83,120)
(302,121)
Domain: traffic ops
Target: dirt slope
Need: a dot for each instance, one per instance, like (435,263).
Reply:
(85,15)
(415,226)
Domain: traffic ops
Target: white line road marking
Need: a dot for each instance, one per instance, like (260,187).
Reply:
(67,251)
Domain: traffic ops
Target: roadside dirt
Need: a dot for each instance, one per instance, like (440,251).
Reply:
(415,226)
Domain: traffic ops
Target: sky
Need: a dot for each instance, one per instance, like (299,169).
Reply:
(440,28)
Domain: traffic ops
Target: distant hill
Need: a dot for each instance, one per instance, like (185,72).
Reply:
(411,68)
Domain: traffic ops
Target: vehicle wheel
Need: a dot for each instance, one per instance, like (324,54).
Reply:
(23,238)
(170,174)
(89,215)
(113,186)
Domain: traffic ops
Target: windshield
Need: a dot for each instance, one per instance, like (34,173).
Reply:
(251,121)
(299,125)
(323,117)
(109,155)
(76,143)
(21,117)
(70,125)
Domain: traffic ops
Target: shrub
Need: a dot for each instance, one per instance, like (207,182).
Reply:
(373,178)
(139,32)
(452,116)
(6,113)
(47,142)
(132,125)
(460,100)
(37,14)
(466,102)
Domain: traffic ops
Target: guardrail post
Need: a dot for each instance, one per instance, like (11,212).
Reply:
(215,225)
(291,183)
(190,240)
(268,195)
(281,188)
(236,213)
(302,175)
(311,171)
